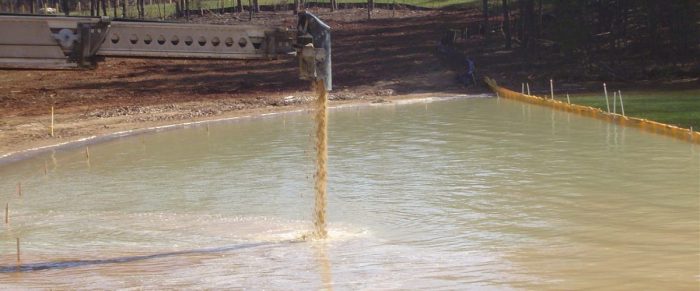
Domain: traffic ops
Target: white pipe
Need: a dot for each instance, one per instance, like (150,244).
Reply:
(567,98)
(607,103)
(528,88)
(551,88)
(622,106)
(614,102)
(522,88)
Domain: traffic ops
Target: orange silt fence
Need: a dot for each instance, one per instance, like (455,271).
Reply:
(643,124)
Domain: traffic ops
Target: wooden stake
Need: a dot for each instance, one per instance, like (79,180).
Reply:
(607,103)
(622,106)
(567,98)
(87,153)
(7,212)
(19,189)
(527,85)
(18,254)
(551,88)
(522,88)
(614,102)
(52,121)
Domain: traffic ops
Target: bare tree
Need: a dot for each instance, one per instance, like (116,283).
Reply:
(64,5)
(370,7)
(506,23)
(486,19)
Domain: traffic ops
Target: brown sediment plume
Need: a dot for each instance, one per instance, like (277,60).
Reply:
(324,264)
(321,159)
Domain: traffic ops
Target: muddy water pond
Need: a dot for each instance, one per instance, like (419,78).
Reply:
(465,193)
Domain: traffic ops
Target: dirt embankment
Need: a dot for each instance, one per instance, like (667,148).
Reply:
(390,56)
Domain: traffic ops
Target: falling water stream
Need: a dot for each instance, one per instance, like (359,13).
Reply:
(474,193)
(321,176)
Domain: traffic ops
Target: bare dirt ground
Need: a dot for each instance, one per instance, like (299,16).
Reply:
(391,56)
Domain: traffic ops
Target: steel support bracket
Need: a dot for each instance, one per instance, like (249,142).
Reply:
(90,38)
(314,49)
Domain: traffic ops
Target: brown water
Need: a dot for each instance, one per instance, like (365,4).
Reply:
(321,176)
(460,194)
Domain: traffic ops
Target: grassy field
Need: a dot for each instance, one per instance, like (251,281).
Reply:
(681,108)
(158,11)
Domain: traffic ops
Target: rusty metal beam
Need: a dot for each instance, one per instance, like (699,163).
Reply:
(50,42)
(194,41)
(81,40)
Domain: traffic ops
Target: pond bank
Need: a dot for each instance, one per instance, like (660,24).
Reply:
(31,135)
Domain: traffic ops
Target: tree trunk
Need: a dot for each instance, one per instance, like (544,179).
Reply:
(506,23)
(521,21)
(486,19)
(64,5)
(104,7)
(334,5)
(529,22)
(124,4)
(370,7)
(239,6)
(539,18)
(256,6)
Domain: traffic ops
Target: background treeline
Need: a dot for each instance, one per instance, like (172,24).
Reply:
(660,29)
(666,28)
(160,9)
